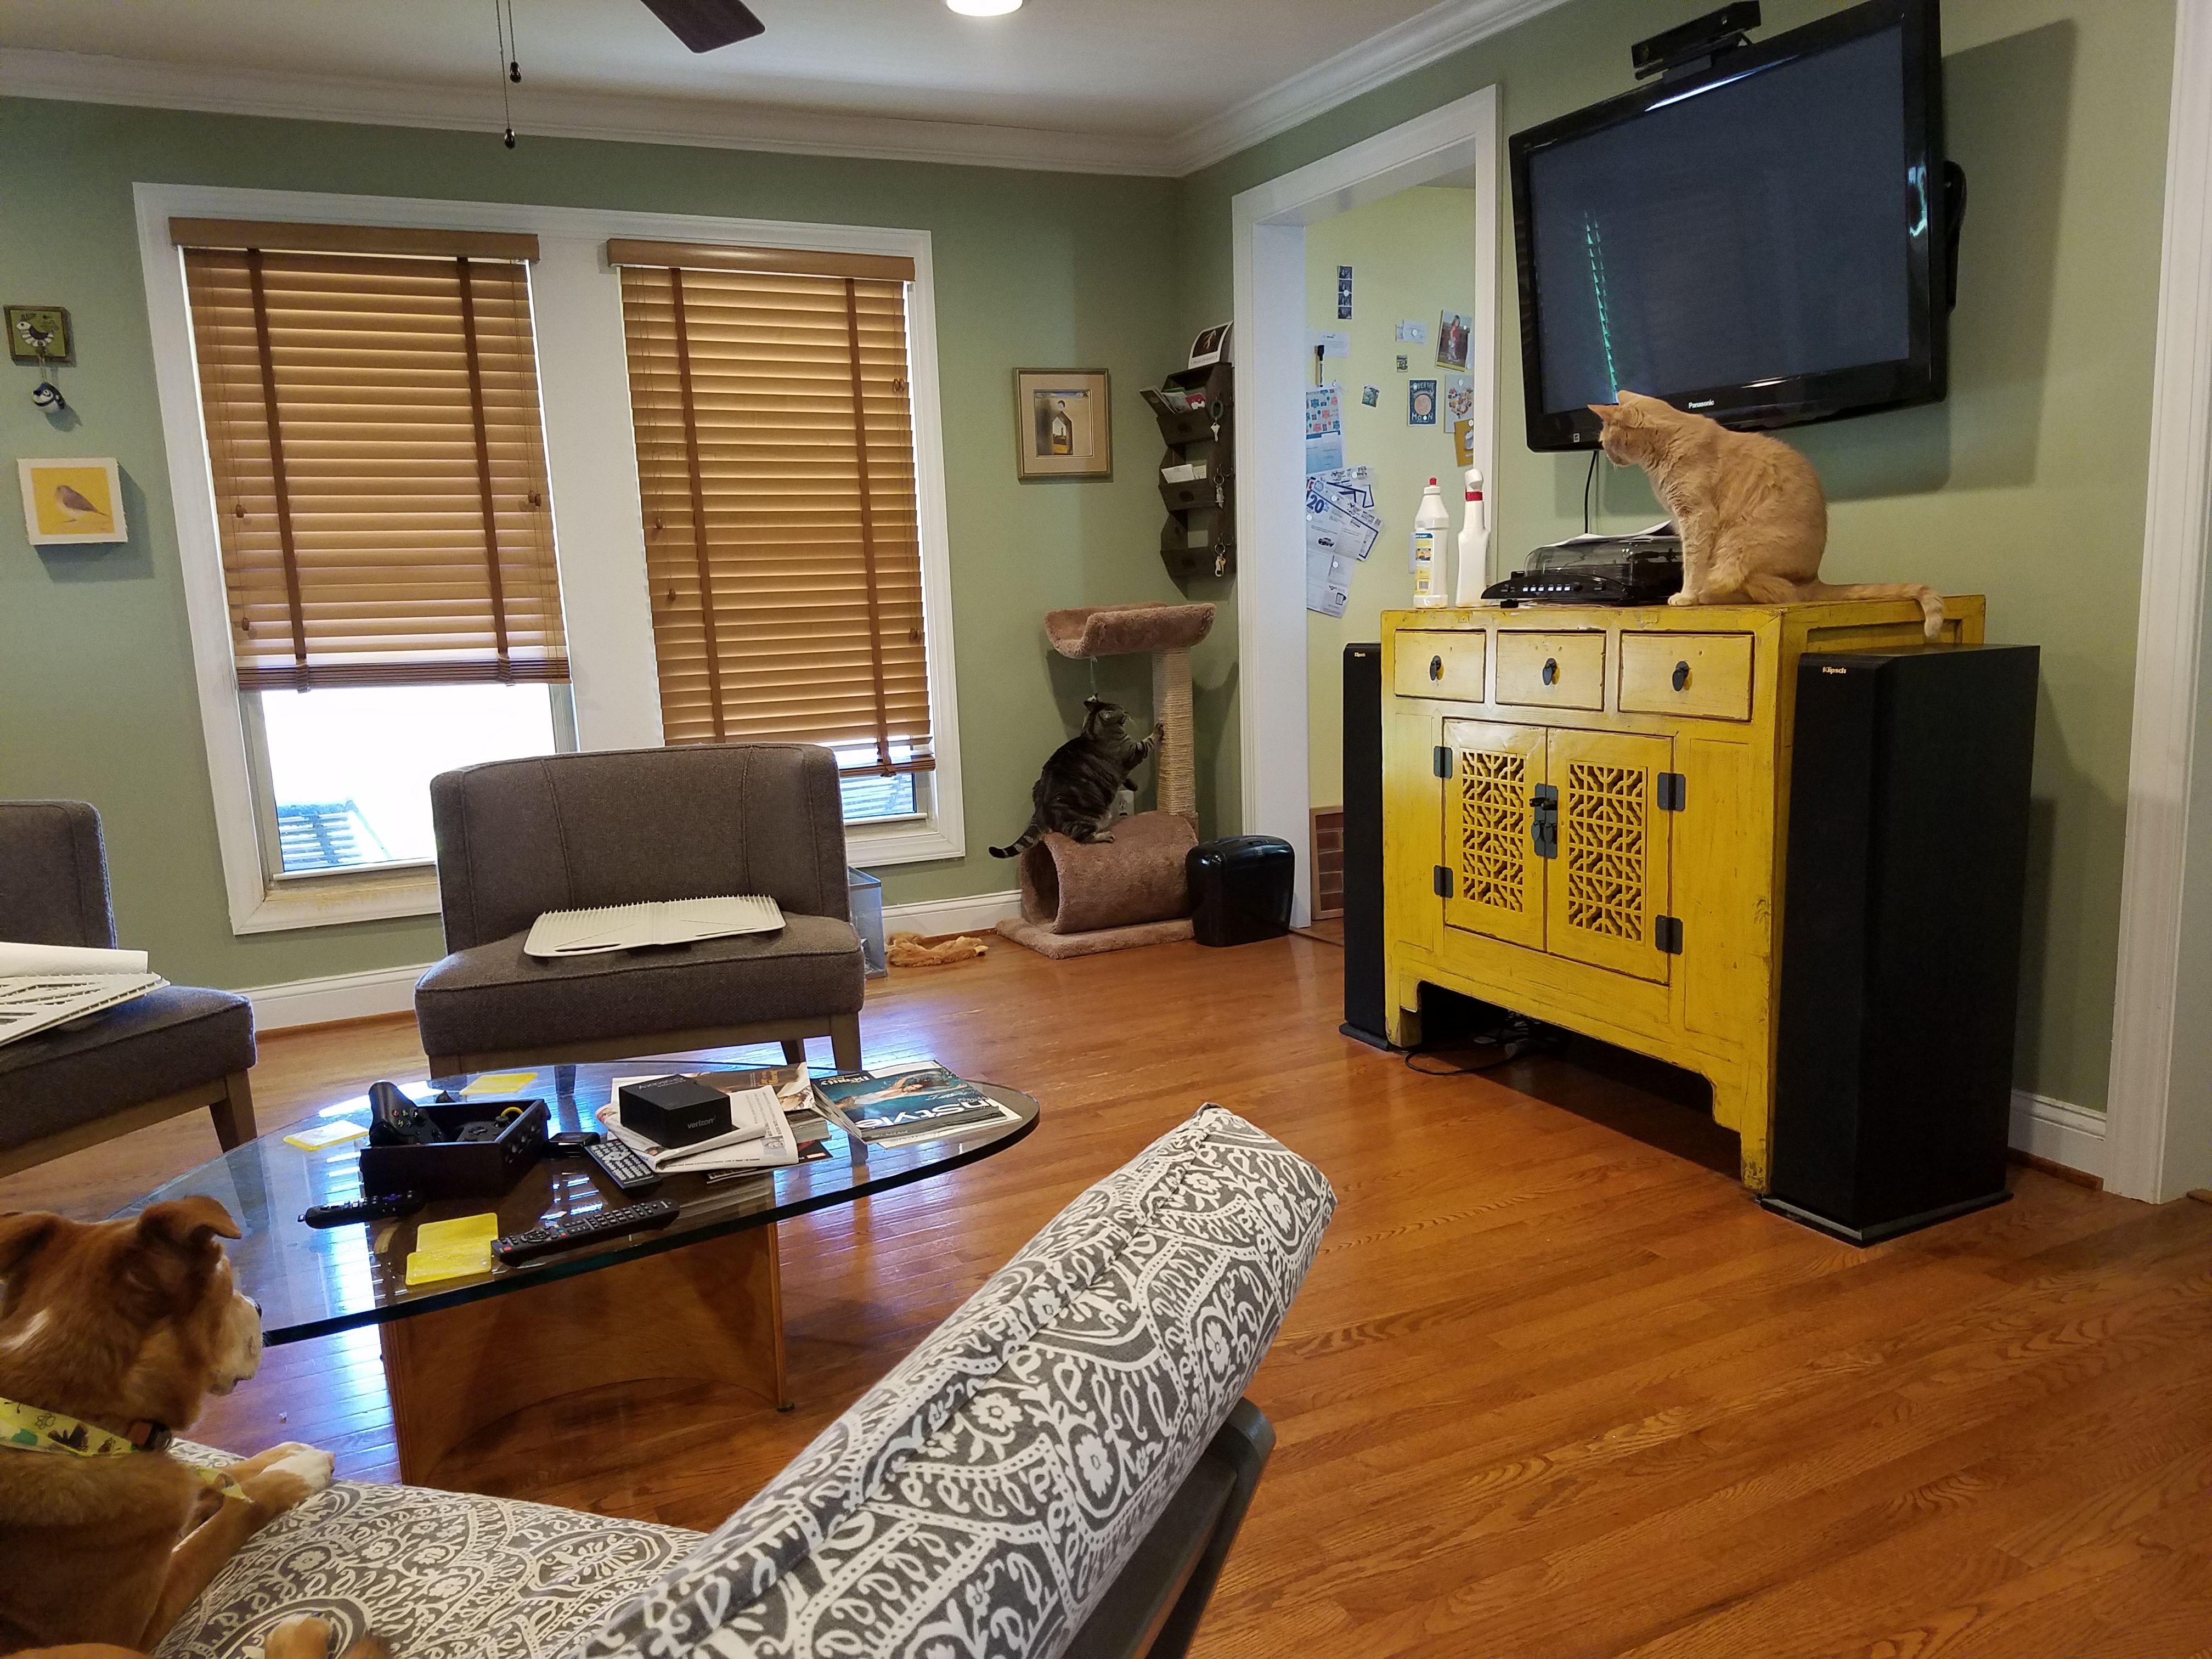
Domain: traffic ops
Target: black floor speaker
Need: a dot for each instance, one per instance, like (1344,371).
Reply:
(1363,1014)
(1901,935)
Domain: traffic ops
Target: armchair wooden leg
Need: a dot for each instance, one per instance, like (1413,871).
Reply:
(795,1051)
(845,1042)
(234,1113)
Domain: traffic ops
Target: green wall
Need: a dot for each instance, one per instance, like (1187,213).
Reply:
(96,690)
(2027,485)
(1411,256)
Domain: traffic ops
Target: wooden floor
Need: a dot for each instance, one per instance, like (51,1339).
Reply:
(1555,1387)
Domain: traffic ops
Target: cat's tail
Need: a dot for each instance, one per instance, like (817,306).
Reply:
(1930,601)
(1027,839)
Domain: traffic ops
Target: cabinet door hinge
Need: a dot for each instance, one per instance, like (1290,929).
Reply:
(1666,934)
(1544,820)
(1672,791)
(1440,761)
(1440,879)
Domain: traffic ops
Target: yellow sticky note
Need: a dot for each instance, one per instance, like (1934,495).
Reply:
(320,1135)
(501,1082)
(451,1249)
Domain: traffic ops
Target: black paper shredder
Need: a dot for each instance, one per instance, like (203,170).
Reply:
(1240,888)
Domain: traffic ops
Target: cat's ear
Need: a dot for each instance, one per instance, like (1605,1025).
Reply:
(1606,413)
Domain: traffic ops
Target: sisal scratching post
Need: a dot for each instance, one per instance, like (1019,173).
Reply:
(1078,900)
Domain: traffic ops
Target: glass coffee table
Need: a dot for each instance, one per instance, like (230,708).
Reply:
(699,1299)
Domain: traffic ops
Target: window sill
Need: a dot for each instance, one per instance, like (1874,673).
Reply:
(903,841)
(330,901)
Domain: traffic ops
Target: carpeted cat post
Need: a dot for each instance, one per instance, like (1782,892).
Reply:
(1078,900)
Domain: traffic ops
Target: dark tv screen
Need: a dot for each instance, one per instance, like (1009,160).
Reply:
(1753,241)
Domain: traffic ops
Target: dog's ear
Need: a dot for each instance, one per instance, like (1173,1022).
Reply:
(22,1236)
(186,1222)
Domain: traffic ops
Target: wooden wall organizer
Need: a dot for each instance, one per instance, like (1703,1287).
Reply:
(1196,408)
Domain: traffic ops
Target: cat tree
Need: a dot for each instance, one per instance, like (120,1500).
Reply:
(1078,900)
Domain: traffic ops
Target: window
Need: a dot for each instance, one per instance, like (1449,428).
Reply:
(370,400)
(554,380)
(771,394)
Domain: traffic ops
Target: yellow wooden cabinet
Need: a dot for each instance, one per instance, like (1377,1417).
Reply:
(1585,815)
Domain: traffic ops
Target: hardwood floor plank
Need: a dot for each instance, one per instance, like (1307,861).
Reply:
(1555,1386)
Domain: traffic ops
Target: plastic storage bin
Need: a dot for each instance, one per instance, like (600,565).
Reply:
(866,895)
(1240,888)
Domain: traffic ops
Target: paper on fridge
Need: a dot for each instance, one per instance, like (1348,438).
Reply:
(1348,486)
(660,921)
(1328,576)
(1324,428)
(68,959)
(1348,529)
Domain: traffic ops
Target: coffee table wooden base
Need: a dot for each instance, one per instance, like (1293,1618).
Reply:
(712,1311)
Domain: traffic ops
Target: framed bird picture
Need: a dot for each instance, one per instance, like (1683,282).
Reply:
(67,503)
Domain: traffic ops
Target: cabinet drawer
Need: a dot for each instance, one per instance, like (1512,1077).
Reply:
(1433,663)
(1706,676)
(1552,671)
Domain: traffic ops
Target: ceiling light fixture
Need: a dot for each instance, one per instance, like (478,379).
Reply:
(984,8)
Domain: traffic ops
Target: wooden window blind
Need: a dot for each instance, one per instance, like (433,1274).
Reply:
(377,458)
(776,456)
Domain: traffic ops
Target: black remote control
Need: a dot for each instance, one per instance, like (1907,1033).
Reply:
(624,1164)
(363,1209)
(549,1237)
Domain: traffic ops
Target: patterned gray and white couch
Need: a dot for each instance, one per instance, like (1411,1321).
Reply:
(979,1503)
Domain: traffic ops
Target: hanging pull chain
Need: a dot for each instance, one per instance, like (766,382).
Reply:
(502,20)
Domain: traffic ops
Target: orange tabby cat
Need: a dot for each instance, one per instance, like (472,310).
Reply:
(1748,508)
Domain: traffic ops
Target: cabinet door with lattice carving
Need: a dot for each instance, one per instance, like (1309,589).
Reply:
(1609,886)
(1497,880)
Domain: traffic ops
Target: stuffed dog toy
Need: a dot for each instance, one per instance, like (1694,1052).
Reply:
(112,1335)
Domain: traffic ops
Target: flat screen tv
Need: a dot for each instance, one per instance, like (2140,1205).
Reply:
(1765,239)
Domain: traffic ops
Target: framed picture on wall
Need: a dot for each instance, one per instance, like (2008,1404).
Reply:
(69,502)
(1063,424)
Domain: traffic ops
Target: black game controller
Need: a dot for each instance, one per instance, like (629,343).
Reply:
(396,1121)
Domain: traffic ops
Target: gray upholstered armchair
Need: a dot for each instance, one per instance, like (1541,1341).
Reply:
(572,832)
(171,1051)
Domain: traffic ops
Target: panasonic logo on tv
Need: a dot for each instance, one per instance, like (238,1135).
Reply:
(1701,402)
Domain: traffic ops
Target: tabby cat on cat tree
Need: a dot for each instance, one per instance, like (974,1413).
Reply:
(1749,509)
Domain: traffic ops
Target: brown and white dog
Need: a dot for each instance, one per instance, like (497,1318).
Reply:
(128,1326)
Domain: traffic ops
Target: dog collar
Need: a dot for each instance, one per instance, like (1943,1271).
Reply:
(32,1429)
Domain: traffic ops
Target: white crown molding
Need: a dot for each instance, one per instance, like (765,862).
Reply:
(697,122)
(1421,39)
(735,125)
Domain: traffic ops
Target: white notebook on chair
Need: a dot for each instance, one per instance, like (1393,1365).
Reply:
(658,921)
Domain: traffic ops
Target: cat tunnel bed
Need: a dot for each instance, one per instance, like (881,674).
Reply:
(1078,899)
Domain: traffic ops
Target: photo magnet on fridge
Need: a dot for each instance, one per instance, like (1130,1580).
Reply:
(1420,403)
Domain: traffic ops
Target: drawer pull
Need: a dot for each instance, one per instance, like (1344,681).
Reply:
(1551,670)
(1681,676)
(1436,668)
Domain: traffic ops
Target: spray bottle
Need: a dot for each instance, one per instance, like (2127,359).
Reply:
(1474,542)
(1429,524)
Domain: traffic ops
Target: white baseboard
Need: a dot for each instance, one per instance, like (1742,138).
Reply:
(335,997)
(978,913)
(2064,1133)
(392,990)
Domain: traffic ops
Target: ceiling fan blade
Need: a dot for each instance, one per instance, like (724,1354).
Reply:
(703,25)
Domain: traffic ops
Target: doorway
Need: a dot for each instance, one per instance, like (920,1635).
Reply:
(1453,148)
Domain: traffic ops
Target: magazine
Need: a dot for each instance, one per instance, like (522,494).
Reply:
(911,1103)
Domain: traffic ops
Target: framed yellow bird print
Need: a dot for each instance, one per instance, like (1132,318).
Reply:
(67,502)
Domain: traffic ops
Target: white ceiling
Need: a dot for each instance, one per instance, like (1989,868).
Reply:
(1148,86)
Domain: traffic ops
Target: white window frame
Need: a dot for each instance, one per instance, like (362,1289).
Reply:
(591,456)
